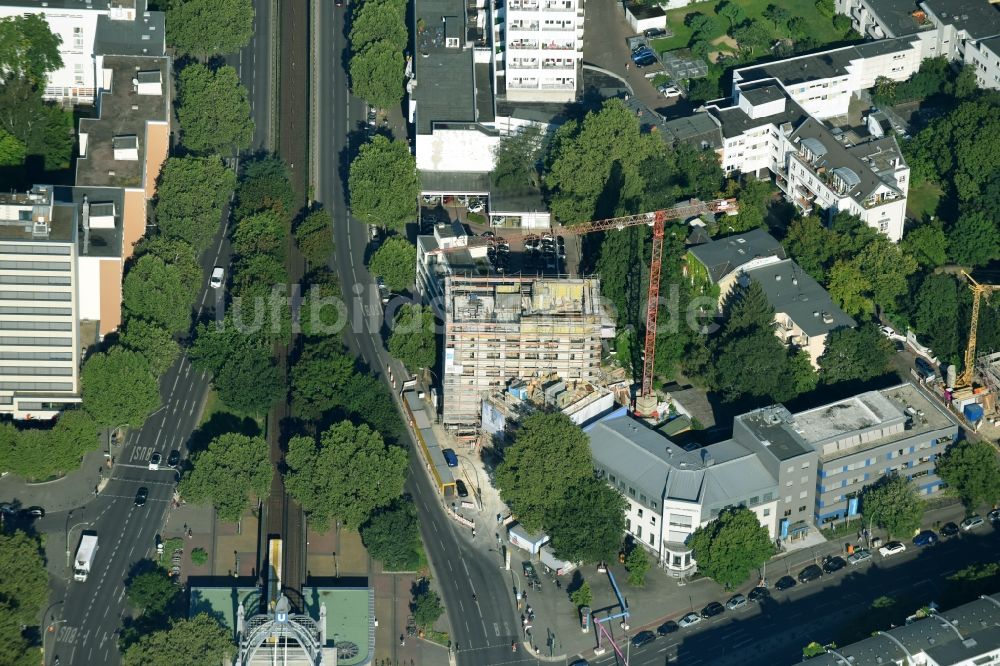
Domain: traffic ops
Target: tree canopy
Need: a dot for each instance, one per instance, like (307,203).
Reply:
(151,590)
(314,235)
(855,354)
(118,387)
(188,642)
(413,340)
(152,341)
(234,470)
(189,198)
(391,536)
(396,263)
(892,504)
(213,110)
(974,240)
(265,186)
(549,455)
(261,233)
(42,452)
(426,607)
(377,74)
(347,472)
(320,377)
(24,587)
(637,565)
(28,48)
(972,472)
(731,546)
(204,28)
(588,525)
(162,292)
(383,184)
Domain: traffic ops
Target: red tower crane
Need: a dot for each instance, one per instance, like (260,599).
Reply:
(657,220)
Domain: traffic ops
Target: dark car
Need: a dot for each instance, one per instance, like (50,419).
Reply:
(141,495)
(652,33)
(460,488)
(643,638)
(174,458)
(810,573)
(667,627)
(925,538)
(835,563)
(994,516)
(645,61)
(758,594)
(785,583)
(639,55)
(949,530)
(33,512)
(713,609)
(450,457)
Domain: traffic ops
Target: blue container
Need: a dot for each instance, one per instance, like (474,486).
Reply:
(973,412)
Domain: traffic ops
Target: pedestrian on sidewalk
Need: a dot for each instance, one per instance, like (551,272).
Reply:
(627,66)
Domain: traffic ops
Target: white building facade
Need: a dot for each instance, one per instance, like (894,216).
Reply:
(39,323)
(542,48)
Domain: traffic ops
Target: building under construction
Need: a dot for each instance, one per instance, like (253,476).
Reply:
(498,329)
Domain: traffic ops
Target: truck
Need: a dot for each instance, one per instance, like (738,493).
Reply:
(84,557)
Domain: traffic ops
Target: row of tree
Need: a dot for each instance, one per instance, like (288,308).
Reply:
(378,40)
(24,587)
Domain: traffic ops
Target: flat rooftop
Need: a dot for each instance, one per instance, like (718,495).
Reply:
(896,16)
(446,81)
(978,18)
(772,426)
(123,112)
(102,200)
(19,223)
(858,417)
(511,299)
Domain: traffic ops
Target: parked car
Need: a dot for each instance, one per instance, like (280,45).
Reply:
(642,53)
(758,594)
(33,512)
(653,33)
(890,332)
(971,523)
(994,516)
(892,548)
(833,564)
(785,583)
(645,61)
(460,488)
(450,457)
(667,627)
(141,495)
(949,530)
(810,573)
(579,662)
(218,277)
(689,620)
(859,556)
(373,233)
(668,91)
(736,602)
(643,638)
(712,609)
(174,458)
(154,461)
(925,538)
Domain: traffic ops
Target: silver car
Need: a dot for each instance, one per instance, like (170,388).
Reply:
(971,523)
(859,556)
(736,602)
(689,620)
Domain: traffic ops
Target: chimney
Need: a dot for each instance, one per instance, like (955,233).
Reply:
(85,221)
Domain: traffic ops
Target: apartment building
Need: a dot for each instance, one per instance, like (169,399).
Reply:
(450,250)
(39,329)
(766,130)
(542,48)
(671,492)
(121,153)
(865,437)
(823,83)
(499,329)
(720,262)
(966,31)
(88,31)
(968,635)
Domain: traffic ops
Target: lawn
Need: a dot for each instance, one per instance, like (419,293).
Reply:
(818,26)
(922,201)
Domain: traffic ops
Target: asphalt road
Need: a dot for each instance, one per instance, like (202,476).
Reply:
(91,611)
(482,628)
(776,631)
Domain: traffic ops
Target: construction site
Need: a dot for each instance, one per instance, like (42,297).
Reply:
(498,329)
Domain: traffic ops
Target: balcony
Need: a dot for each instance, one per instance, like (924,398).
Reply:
(559,6)
(557,46)
(523,25)
(524,44)
(522,84)
(557,86)
(565,26)
(524,63)
(523,4)
(558,64)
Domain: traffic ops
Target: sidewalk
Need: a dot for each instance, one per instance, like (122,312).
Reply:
(72,491)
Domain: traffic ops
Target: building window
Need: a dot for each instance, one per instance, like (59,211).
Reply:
(612,479)
(767,512)
(802,508)
(804,479)
(788,499)
(651,537)
(804,494)
(652,520)
(638,531)
(631,491)
(628,525)
(788,484)
(77,38)
(788,512)
(640,513)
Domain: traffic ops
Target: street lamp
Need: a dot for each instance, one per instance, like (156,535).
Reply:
(69,533)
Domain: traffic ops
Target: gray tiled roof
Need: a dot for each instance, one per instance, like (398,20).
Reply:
(837,155)
(978,18)
(698,128)
(722,256)
(978,623)
(793,291)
